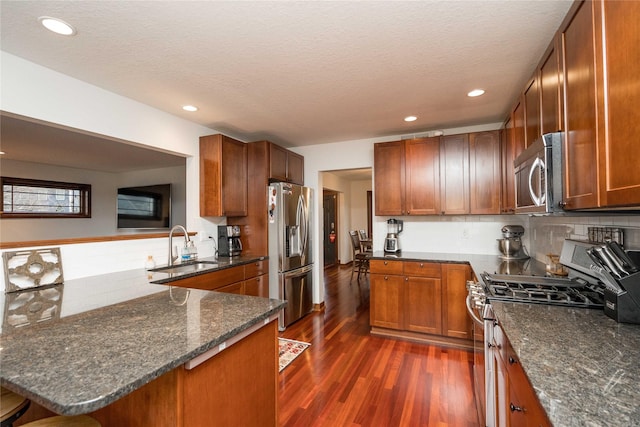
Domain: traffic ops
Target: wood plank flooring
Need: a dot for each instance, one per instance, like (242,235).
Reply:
(350,378)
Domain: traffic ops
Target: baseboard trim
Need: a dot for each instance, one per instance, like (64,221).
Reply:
(458,343)
(318,307)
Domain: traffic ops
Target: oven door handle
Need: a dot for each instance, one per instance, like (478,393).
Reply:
(471,312)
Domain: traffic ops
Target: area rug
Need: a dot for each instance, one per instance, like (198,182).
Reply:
(289,350)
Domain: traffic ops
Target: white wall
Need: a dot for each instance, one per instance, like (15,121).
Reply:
(31,90)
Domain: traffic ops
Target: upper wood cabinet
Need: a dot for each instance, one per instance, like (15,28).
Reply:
(285,165)
(485,172)
(406,177)
(508,205)
(580,113)
(617,96)
(454,174)
(519,138)
(532,112)
(223,176)
(422,176)
(551,90)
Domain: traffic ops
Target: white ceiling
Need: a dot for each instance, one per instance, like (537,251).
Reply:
(297,72)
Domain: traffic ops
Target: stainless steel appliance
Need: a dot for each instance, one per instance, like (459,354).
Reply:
(591,284)
(511,245)
(391,242)
(538,179)
(290,252)
(229,243)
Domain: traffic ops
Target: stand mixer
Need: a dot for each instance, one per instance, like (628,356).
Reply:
(511,246)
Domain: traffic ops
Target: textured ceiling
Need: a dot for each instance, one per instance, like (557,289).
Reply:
(297,73)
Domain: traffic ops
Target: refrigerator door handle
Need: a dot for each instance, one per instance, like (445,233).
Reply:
(301,221)
(298,271)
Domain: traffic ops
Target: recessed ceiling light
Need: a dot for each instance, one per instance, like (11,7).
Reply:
(1,153)
(57,26)
(410,119)
(190,108)
(476,92)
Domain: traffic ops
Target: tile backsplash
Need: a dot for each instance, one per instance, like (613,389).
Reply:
(546,233)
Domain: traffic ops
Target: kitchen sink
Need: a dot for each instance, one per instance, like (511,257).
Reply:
(186,268)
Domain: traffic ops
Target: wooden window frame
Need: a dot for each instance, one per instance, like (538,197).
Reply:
(84,189)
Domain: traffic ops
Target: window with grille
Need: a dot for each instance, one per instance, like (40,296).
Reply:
(30,198)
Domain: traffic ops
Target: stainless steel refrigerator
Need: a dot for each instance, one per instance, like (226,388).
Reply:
(290,252)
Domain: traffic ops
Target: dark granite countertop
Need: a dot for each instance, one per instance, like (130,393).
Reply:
(584,366)
(107,335)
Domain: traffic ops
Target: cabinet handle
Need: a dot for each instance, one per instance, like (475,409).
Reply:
(386,277)
(493,344)
(421,265)
(385,263)
(511,360)
(515,408)
(406,279)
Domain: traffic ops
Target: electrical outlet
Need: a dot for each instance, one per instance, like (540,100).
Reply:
(465,233)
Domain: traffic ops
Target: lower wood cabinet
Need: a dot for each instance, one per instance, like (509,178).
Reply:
(236,387)
(516,402)
(248,279)
(425,300)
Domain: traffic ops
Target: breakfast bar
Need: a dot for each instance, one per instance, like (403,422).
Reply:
(113,343)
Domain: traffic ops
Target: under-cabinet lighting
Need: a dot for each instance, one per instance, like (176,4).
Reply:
(410,119)
(56,25)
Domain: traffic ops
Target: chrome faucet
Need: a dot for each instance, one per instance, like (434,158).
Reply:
(173,257)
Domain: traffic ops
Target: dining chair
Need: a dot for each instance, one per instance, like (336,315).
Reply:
(360,258)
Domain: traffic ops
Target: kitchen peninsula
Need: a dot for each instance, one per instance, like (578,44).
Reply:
(130,352)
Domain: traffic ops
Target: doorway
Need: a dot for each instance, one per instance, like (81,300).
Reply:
(330,227)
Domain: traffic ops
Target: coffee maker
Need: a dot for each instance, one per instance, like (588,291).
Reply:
(391,242)
(229,243)
(511,245)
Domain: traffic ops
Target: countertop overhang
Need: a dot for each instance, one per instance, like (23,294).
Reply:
(117,332)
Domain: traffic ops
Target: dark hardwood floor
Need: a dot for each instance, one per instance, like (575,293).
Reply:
(350,378)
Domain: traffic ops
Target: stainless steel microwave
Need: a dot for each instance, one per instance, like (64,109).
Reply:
(539,176)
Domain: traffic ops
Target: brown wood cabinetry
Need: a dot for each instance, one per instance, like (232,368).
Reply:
(454,174)
(551,90)
(247,279)
(580,150)
(264,159)
(422,301)
(617,97)
(238,386)
(532,112)
(406,177)
(519,137)
(285,165)
(223,176)
(508,205)
(484,172)
(516,402)
(456,322)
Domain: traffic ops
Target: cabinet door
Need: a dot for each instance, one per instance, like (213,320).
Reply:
(277,163)
(524,407)
(386,301)
(580,110)
(550,91)
(508,173)
(454,174)
(423,305)
(532,112)
(456,322)
(619,152)
(295,168)
(484,171)
(518,129)
(223,176)
(422,174)
(388,172)
(234,288)
(257,286)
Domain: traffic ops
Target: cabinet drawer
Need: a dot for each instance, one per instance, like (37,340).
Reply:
(420,268)
(234,288)
(212,281)
(256,268)
(385,267)
(257,286)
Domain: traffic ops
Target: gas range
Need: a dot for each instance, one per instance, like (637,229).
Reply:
(543,290)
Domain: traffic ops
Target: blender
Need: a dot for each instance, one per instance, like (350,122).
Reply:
(511,246)
(391,243)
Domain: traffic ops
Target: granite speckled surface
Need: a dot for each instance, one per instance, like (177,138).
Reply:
(116,333)
(584,366)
